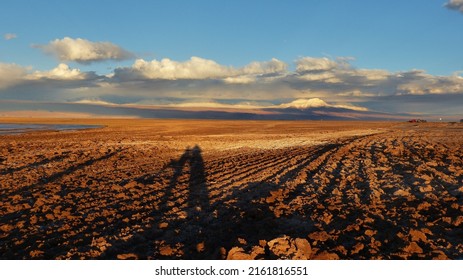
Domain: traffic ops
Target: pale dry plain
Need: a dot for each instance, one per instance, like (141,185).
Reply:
(176,189)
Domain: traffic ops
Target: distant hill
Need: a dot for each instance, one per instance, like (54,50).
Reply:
(310,109)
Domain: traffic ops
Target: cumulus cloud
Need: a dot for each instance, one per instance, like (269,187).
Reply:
(166,69)
(342,79)
(337,82)
(455,5)
(312,64)
(419,82)
(261,68)
(198,68)
(84,51)
(61,72)
(11,74)
(10,36)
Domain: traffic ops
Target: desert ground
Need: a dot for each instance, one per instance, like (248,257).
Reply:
(192,189)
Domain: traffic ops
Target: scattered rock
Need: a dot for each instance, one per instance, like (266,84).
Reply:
(281,247)
(237,253)
(424,206)
(36,253)
(326,256)
(129,256)
(163,225)
(288,248)
(131,184)
(357,248)
(200,247)
(303,246)
(257,253)
(402,193)
(426,189)
(458,221)
(166,250)
(319,236)
(413,248)
(417,235)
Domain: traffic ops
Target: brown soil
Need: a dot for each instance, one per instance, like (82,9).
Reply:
(171,189)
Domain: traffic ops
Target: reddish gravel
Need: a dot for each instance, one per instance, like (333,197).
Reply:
(151,189)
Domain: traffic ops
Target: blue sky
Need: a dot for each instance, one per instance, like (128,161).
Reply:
(420,40)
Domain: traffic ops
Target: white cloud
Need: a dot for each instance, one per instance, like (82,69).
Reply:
(11,74)
(420,83)
(262,68)
(372,74)
(240,80)
(306,64)
(84,51)
(94,101)
(339,71)
(61,72)
(342,79)
(336,82)
(455,5)
(10,36)
(198,68)
(327,77)
(166,69)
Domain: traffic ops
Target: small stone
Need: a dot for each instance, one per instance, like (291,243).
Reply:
(39,203)
(319,236)
(357,248)
(401,193)
(280,247)
(163,225)
(439,255)
(257,252)
(166,250)
(223,253)
(413,248)
(426,189)
(200,247)
(36,253)
(424,206)
(417,235)
(131,184)
(242,241)
(129,256)
(237,253)
(34,220)
(303,246)
(458,221)
(6,228)
(326,256)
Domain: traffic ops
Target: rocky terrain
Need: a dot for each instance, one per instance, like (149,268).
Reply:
(152,189)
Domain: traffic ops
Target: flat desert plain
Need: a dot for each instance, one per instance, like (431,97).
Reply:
(194,189)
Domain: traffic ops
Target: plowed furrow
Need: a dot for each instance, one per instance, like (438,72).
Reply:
(239,165)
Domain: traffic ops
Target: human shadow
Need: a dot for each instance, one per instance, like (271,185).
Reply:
(190,225)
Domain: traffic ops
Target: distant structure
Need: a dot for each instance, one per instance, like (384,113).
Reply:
(417,121)
(461,120)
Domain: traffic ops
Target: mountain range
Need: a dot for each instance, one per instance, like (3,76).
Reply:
(300,109)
